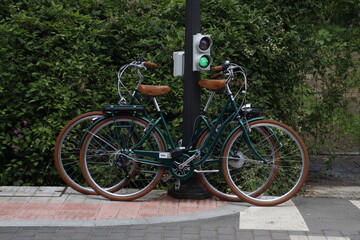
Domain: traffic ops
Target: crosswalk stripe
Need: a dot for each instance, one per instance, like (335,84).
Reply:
(356,203)
(282,217)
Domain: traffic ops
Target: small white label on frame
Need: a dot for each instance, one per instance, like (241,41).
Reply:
(164,155)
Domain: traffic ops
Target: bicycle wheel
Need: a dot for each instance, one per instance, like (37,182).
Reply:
(67,151)
(283,175)
(106,159)
(213,178)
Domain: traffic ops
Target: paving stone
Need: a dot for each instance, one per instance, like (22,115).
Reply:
(26,233)
(48,229)
(6,236)
(190,230)
(65,232)
(355,237)
(209,233)
(227,237)
(49,191)
(21,238)
(81,235)
(244,238)
(155,229)
(244,234)
(299,237)
(136,233)
(262,237)
(116,236)
(96,199)
(62,238)
(101,232)
(189,236)
(153,236)
(261,233)
(75,198)
(226,231)
(316,237)
(119,229)
(171,233)
(139,226)
(280,235)
(96,238)
(19,199)
(9,229)
(134,238)
(330,233)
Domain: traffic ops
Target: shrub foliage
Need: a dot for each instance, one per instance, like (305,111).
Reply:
(60,58)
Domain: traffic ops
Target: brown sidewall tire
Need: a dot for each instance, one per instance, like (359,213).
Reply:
(107,194)
(294,190)
(57,158)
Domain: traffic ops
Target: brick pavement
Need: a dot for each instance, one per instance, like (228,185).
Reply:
(30,204)
(43,214)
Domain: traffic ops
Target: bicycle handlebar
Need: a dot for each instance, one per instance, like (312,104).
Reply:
(151,64)
(217,75)
(221,67)
(230,70)
(139,63)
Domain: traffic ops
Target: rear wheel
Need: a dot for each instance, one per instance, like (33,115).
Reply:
(67,151)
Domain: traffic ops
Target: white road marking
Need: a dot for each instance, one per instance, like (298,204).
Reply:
(356,203)
(282,217)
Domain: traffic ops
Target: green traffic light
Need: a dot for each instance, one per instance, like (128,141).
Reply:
(204,61)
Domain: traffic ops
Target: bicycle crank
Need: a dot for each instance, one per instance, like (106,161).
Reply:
(183,167)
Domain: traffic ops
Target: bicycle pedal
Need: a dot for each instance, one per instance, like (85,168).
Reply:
(165,179)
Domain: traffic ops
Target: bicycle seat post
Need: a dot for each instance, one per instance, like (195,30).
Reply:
(156,104)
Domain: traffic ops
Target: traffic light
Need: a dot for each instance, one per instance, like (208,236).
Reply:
(201,52)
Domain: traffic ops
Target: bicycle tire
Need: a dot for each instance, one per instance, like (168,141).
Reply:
(105,159)
(214,182)
(291,164)
(67,151)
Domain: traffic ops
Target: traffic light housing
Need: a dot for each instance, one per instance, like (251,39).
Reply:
(201,52)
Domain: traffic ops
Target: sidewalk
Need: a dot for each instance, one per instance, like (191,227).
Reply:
(61,213)
(61,206)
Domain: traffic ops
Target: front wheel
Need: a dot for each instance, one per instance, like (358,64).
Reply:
(107,158)
(211,176)
(282,169)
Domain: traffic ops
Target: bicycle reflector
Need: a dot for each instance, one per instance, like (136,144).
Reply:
(201,52)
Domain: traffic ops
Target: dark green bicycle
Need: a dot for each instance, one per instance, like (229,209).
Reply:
(124,155)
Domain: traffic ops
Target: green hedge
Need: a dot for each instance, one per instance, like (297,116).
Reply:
(60,58)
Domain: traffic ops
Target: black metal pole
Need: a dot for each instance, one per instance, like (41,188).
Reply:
(191,188)
(191,88)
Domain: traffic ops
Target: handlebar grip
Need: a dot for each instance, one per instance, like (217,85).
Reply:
(217,68)
(221,67)
(217,75)
(151,64)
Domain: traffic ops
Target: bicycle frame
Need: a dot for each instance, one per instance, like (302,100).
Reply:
(188,155)
(166,159)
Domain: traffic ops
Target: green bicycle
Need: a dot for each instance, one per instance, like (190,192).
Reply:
(68,142)
(263,162)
